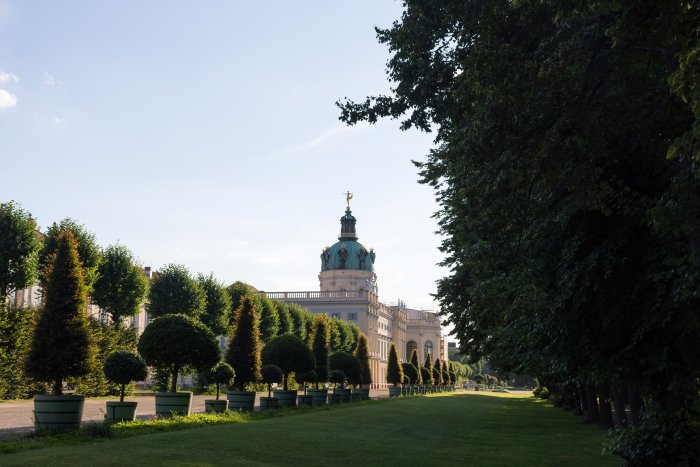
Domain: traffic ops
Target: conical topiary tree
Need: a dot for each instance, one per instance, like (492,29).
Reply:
(453,373)
(61,341)
(428,365)
(362,354)
(411,372)
(426,375)
(445,374)
(437,372)
(416,363)
(320,346)
(243,352)
(394,372)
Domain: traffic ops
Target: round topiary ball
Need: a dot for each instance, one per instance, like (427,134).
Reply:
(123,367)
(222,373)
(271,374)
(336,376)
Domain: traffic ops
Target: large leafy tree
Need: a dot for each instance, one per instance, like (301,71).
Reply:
(174,291)
(218,304)
(121,285)
(286,322)
(61,345)
(269,318)
(19,250)
(566,171)
(88,250)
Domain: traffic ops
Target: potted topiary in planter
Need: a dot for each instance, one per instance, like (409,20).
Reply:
(394,373)
(362,354)
(336,377)
(411,373)
(177,343)
(222,373)
(320,346)
(271,374)
(303,379)
(292,355)
(122,367)
(350,366)
(427,378)
(243,355)
(61,345)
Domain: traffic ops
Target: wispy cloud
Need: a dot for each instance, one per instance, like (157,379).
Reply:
(6,77)
(327,136)
(59,121)
(51,81)
(7,100)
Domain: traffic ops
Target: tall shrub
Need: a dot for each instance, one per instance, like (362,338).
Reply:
(175,291)
(411,372)
(394,372)
(19,250)
(320,346)
(217,310)
(16,330)
(416,363)
(269,318)
(348,364)
(243,352)
(290,354)
(61,341)
(437,372)
(362,354)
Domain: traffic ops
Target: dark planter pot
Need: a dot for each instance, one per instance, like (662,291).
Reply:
(120,411)
(344,394)
(241,400)
(394,392)
(169,404)
(335,398)
(318,396)
(304,400)
(57,412)
(269,403)
(362,394)
(215,405)
(286,398)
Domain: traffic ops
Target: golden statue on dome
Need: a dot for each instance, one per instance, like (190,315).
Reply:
(348,197)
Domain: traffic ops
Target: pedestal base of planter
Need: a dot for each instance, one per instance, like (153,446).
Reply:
(215,405)
(286,398)
(394,392)
(319,396)
(57,412)
(335,398)
(120,412)
(344,394)
(241,400)
(268,403)
(173,403)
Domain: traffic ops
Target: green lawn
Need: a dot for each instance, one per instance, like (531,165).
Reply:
(454,429)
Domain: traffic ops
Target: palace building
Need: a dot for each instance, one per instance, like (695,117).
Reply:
(348,290)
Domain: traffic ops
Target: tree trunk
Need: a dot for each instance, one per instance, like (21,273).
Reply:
(173,383)
(591,404)
(581,393)
(121,393)
(620,418)
(58,387)
(604,411)
(635,406)
(217,391)
(285,381)
(578,404)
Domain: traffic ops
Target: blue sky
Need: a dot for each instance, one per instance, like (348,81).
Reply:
(205,133)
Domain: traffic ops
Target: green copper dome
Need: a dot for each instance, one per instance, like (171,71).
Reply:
(348,253)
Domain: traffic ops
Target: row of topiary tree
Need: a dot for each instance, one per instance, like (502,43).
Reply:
(410,377)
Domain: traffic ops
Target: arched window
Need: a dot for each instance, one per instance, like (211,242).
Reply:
(427,349)
(410,347)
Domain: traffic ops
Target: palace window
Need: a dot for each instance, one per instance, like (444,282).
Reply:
(352,316)
(428,349)
(335,315)
(410,347)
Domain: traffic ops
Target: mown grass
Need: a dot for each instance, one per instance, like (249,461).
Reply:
(451,429)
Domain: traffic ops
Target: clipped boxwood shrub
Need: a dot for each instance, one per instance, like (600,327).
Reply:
(123,367)
(177,343)
(394,371)
(336,377)
(410,372)
(271,374)
(289,353)
(348,364)
(222,373)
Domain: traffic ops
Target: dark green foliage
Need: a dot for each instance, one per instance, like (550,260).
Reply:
(121,285)
(236,291)
(394,371)
(19,249)
(174,291)
(243,352)
(217,311)
(445,373)
(342,335)
(428,365)
(362,354)
(356,333)
(269,318)
(414,361)
(348,364)
(16,329)
(426,375)
(411,372)
(271,374)
(105,339)
(437,372)
(122,367)
(336,377)
(178,342)
(286,322)
(61,342)
(289,353)
(320,345)
(299,318)
(222,373)
(88,251)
